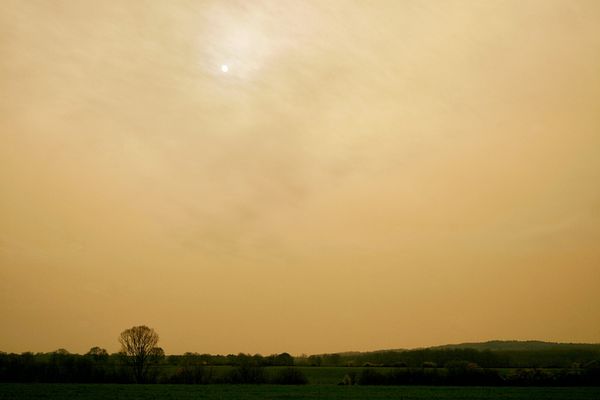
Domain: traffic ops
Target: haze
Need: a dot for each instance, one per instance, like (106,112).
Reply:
(366,175)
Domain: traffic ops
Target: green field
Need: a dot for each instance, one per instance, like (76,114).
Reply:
(247,392)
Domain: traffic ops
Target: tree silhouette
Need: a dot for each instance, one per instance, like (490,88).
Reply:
(138,344)
(97,354)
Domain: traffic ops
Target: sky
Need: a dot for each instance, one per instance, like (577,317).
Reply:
(365,175)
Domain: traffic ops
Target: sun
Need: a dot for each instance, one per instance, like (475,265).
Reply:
(224,68)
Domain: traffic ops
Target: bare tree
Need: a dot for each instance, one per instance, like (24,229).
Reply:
(139,346)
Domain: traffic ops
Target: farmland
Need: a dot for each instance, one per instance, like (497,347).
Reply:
(248,392)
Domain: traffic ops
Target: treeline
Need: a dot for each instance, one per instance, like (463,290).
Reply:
(550,358)
(275,360)
(470,374)
(97,366)
(62,367)
(240,374)
(417,367)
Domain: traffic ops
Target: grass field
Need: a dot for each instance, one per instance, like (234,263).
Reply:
(267,392)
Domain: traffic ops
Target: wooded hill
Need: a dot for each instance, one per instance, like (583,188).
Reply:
(492,354)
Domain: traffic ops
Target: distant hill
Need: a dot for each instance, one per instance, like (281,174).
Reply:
(517,345)
(492,345)
(492,354)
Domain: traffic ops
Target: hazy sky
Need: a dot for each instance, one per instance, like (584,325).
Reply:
(367,174)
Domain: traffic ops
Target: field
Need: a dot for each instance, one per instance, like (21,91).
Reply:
(251,392)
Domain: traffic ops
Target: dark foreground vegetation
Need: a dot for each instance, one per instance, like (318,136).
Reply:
(268,392)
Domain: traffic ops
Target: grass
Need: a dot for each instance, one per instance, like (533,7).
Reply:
(272,392)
